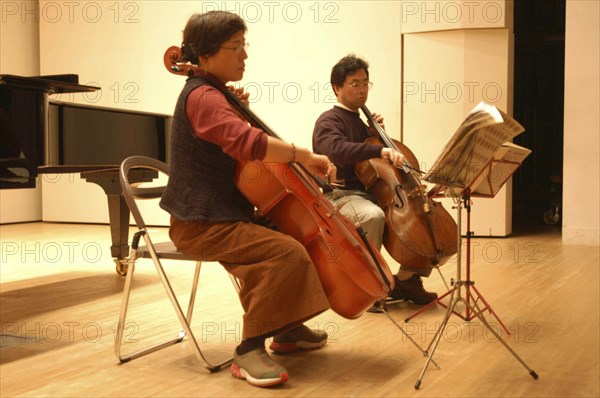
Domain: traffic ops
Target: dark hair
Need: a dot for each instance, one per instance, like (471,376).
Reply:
(205,33)
(347,66)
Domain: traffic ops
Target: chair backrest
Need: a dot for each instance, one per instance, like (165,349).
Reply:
(136,169)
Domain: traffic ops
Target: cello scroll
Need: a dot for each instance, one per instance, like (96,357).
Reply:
(172,61)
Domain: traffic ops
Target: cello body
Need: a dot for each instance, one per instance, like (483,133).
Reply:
(419,232)
(347,263)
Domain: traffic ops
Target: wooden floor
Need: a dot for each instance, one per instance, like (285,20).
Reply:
(60,299)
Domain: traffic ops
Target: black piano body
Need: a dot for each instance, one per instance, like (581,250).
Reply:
(38,135)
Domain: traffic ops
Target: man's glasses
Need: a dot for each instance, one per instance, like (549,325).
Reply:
(367,85)
(238,49)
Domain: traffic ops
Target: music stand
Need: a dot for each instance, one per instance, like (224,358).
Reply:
(482,136)
(486,184)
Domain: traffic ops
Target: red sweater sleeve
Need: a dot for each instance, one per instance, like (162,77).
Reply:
(213,120)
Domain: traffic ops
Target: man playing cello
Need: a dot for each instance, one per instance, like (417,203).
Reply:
(340,134)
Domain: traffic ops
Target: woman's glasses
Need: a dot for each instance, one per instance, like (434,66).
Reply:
(238,49)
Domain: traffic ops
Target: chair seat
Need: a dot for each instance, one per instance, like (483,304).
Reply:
(165,250)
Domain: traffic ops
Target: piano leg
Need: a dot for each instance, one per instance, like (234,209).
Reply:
(118,211)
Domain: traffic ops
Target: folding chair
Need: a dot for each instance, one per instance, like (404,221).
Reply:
(157,252)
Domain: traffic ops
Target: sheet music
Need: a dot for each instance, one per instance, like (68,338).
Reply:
(505,162)
(472,146)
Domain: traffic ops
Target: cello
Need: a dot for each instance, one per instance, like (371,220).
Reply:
(353,273)
(419,232)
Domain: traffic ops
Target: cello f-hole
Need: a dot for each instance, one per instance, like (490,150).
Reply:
(399,196)
(325,221)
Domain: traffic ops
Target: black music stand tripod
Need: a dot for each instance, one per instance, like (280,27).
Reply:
(471,296)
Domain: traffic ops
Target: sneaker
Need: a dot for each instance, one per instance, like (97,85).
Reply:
(258,369)
(412,290)
(299,338)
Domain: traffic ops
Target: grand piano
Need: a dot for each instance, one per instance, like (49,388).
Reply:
(39,135)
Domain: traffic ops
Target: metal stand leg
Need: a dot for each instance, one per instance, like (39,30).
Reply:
(438,335)
(478,312)
(472,308)
(424,352)
(514,354)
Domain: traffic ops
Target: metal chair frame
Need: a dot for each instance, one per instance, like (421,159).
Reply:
(157,252)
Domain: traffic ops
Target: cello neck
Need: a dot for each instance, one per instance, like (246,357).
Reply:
(256,121)
(410,163)
(250,116)
(380,131)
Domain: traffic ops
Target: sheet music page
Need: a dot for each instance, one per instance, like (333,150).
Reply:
(512,152)
(506,161)
(472,146)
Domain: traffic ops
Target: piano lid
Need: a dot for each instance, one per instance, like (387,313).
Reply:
(50,84)
(23,104)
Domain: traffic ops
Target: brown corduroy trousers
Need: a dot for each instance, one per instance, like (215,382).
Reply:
(280,287)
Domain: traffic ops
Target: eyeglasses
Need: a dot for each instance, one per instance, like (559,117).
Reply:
(367,85)
(238,49)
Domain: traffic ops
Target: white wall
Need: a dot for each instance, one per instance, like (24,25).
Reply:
(456,54)
(293,45)
(120,45)
(19,41)
(442,15)
(581,206)
(19,55)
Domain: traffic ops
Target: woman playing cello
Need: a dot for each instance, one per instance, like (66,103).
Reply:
(211,219)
